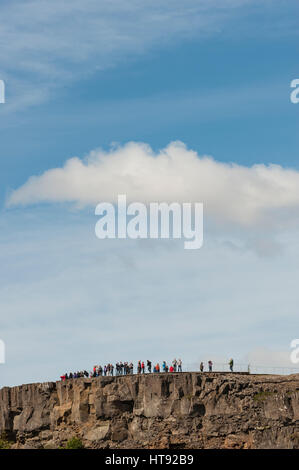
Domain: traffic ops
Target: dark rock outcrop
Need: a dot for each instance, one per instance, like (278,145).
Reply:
(181,410)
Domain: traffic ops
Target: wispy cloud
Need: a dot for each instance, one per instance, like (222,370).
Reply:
(45,44)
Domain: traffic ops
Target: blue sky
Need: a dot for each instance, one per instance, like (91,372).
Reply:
(81,76)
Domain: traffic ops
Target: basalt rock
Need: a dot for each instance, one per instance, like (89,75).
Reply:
(174,410)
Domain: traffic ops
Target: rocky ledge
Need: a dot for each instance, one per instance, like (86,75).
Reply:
(179,410)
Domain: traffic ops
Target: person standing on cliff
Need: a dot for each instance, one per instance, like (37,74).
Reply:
(180,365)
(149,366)
(142,367)
(201,367)
(231,365)
(210,366)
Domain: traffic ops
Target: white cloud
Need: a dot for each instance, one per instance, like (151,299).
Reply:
(247,196)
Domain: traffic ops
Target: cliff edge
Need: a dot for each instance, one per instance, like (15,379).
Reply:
(178,410)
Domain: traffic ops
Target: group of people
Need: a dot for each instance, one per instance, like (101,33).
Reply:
(125,368)
(75,375)
(175,366)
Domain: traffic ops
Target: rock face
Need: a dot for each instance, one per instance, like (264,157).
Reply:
(178,410)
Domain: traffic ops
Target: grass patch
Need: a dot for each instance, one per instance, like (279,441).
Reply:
(262,396)
(74,443)
(189,396)
(4,442)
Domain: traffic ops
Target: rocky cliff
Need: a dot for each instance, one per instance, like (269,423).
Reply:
(181,410)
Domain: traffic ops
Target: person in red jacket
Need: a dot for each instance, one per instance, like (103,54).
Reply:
(171,369)
(142,367)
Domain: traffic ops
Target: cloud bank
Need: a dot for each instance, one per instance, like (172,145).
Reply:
(231,193)
(69,300)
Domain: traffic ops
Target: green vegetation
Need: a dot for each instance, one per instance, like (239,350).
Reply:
(262,396)
(189,396)
(4,442)
(74,443)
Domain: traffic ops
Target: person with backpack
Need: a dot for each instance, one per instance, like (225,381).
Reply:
(231,365)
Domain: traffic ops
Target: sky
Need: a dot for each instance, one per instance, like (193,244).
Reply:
(161,101)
